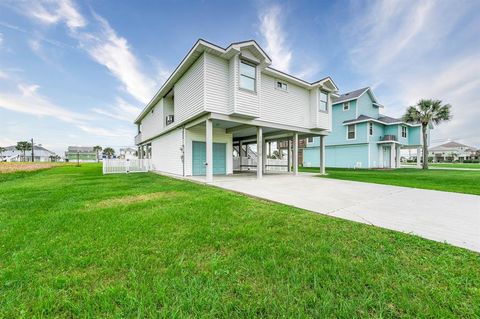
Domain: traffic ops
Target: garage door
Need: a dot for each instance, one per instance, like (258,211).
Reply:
(199,156)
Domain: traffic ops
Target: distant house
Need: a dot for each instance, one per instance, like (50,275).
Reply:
(80,153)
(40,154)
(452,151)
(128,153)
(361,136)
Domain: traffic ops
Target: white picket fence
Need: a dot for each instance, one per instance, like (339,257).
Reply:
(250,164)
(119,166)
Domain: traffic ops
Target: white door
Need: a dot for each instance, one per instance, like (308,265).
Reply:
(386,157)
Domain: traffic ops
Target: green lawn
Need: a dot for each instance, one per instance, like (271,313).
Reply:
(467,182)
(450,165)
(74,243)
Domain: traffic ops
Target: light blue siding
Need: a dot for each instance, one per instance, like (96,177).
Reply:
(338,156)
(415,135)
(366,107)
(199,156)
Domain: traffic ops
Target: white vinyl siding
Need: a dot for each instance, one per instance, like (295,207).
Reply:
(290,108)
(153,123)
(167,154)
(189,92)
(216,84)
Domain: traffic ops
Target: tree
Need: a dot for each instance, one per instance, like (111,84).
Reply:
(427,112)
(23,146)
(2,149)
(108,152)
(54,158)
(97,149)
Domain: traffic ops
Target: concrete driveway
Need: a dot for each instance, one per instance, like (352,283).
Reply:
(441,216)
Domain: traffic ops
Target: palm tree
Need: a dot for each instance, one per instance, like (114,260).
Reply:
(97,149)
(427,112)
(23,146)
(109,152)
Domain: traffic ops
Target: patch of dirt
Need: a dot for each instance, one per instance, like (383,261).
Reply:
(126,200)
(12,167)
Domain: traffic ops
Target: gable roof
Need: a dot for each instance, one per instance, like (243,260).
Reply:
(452,144)
(354,95)
(35,148)
(202,46)
(382,119)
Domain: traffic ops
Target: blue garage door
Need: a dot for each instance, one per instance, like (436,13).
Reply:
(199,156)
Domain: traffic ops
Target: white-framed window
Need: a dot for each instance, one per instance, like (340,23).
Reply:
(346,106)
(322,101)
(248,75)
(370,128)
(310,140)
(279,85)
(351,130)
(404,131)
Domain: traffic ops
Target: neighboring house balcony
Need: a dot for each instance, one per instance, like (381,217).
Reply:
(388,138)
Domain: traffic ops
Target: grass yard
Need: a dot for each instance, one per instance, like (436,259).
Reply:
(467,182)
(457,165)
(74,243)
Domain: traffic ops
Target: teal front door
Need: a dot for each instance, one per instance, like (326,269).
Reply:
(199,156)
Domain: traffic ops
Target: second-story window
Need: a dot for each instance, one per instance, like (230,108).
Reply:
(370,128)
(322,101)
(346,106)
(248,75)
(281,86)
(351,132)
(404,131)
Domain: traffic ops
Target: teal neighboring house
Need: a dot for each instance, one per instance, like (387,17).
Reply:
(361,136)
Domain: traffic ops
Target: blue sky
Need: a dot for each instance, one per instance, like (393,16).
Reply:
(78,72)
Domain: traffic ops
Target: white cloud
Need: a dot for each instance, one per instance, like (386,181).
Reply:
(1,39)
(121,111)
(99,131)
(114,52)
(272,31)
(52,12)
(101,43)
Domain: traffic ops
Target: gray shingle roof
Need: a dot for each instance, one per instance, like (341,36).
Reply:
(360,118)
(349,96)
(388,119)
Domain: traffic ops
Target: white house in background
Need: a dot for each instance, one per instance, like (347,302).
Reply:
(40,154)
(128,153)
(219,100)
(452,151)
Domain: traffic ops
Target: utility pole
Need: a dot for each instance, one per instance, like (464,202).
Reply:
(33,158)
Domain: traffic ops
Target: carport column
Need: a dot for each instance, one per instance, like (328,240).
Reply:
(295,153)
(289,161)
(264,156)
(398,153)
(392,155)
(419,156)
(322,154)
(259,151)
(209,150)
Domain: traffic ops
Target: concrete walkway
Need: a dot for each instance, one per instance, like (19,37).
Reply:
(442,216)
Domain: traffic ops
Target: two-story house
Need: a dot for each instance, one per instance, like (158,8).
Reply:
(219,98)
(361,136)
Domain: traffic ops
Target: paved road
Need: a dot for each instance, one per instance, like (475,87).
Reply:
(441,216)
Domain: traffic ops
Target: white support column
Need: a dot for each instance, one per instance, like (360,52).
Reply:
(240,149)
(392,155)
(295,153)
(259,151)
(289,161)
(419,156)
(264,156)
(322,154)
(398,154)
(209,151)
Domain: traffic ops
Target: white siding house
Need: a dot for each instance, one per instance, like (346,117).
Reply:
(219,100)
